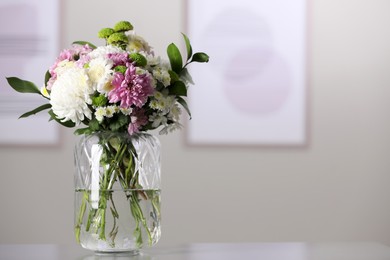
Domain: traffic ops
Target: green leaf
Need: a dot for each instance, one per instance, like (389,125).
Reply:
(38,109)
(160,86)
(84,43)
(83,131)
(178,88)
(173,75)
(175,58)
(186,76)
(188,46)
(66,124)
(121,120)
(182,102)
(200,57)
(23,86)
(47,77)
(94,125)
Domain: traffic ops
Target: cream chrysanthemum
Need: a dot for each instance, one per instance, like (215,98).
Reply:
(110,111)
(100,74)
(100,113)
(126,111)
(137,43)
(70,95)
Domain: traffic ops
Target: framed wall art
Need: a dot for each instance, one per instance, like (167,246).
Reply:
(254,89)
(29,45)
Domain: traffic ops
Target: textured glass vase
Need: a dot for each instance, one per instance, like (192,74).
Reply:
(117,192)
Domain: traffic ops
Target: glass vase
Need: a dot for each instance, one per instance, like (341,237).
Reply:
(117,192)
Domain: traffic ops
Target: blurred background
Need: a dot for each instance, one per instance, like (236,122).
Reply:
(334,188)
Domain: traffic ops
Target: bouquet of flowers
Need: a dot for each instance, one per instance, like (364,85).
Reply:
(121,87)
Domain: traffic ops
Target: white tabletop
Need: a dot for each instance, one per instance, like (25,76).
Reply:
(215,251)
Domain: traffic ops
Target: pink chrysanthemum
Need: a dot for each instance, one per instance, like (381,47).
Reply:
(119,58)
(131,88)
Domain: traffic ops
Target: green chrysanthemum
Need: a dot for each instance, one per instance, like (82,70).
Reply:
(105,33)
(99,101)
(123,26)
(118,39)
(139,59)
(121,69)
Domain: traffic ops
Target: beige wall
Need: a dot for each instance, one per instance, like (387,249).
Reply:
(337,188)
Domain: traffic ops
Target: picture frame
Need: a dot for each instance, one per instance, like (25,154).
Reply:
(253,92)
(29,45)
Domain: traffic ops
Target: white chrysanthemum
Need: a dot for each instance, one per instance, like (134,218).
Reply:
(126,111)
(110,111)
(161,105)
(70,95)
(153,82)
(103,51)
(137,43)
(170,102)
(158,119)
(152,60)
(162,75)
(158,95)
(100,113)
(116,109)
(140,71)
(174,113)
(100,74)
(154,104)
(162,102)
(63,66)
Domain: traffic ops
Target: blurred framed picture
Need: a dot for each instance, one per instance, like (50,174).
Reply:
(29,45)
(254,89)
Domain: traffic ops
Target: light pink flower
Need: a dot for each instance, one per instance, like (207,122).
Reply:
(119,58)
(75,53)
(138,119)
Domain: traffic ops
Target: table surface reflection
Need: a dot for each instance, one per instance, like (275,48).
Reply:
(213,251)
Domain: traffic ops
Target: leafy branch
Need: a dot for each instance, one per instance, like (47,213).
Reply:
(179,71)
(176,60)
